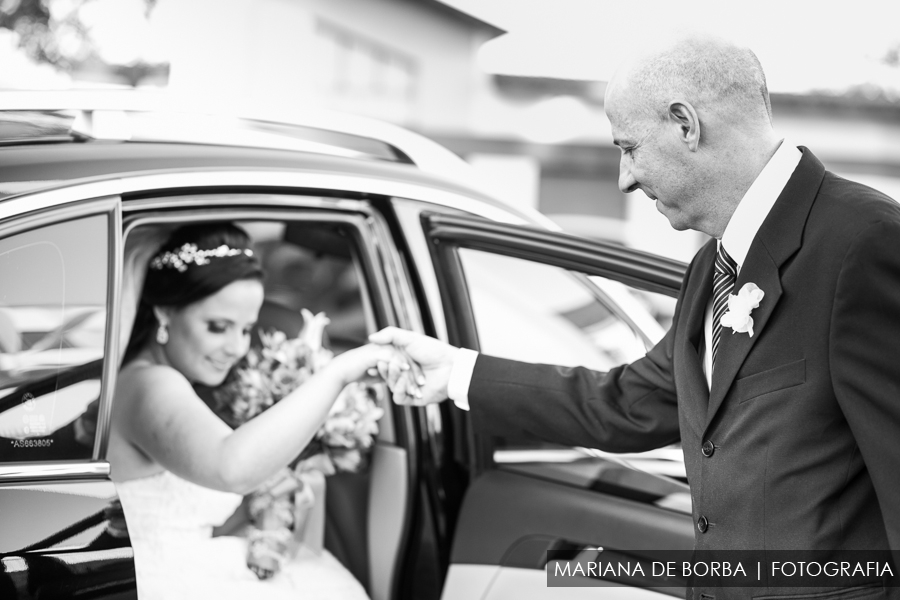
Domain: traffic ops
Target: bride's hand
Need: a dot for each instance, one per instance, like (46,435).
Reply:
(392,364)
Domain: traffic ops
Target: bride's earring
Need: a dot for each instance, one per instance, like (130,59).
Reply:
(162,334)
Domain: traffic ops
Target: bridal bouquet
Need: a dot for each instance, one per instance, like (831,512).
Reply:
(262,378)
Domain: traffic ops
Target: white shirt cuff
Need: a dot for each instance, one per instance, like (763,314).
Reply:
(461,377)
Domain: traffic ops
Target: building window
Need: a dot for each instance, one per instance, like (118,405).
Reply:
(360,75)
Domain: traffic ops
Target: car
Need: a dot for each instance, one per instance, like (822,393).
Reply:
(373,225)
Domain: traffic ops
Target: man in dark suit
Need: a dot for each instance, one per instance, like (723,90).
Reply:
(788,408)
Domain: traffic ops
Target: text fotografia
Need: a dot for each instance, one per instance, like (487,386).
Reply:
(586,567)
(722,569)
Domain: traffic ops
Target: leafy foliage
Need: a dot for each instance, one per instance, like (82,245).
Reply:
(52,32)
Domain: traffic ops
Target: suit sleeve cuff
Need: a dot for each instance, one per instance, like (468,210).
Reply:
(461,377)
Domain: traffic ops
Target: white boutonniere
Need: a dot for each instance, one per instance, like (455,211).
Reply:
(739,308)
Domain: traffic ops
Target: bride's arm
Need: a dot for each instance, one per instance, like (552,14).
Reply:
(159,413)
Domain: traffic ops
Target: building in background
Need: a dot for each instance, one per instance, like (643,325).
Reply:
(535,141)
(539,142)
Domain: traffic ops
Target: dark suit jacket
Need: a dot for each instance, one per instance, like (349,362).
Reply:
(803,418)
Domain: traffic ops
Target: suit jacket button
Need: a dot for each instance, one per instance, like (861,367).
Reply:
(702,524)
(708,448)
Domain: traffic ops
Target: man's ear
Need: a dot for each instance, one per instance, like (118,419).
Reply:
(685,118)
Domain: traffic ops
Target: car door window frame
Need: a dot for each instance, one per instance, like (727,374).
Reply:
(386,285)
(375,292)
(19,219)
(447,233)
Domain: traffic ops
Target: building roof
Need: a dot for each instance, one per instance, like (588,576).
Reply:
(877,104)
(460,16)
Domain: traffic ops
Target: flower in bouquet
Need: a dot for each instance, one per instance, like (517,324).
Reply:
(263,377)
(353,420)
(250,394)
(349,430)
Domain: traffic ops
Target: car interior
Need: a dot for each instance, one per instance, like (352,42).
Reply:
(314,265)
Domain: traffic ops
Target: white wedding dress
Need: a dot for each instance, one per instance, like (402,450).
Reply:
(170,522)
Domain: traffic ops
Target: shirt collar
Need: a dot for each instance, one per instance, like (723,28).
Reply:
(754,207)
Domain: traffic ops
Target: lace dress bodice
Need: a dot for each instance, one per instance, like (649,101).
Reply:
(164,508)
(170,522)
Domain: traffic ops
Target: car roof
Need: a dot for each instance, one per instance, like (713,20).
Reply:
(112,135)
(30,167)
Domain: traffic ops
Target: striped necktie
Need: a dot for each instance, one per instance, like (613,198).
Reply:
(723,285)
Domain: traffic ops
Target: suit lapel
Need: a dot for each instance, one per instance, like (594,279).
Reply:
(734,347)
(779,237)
(693,389)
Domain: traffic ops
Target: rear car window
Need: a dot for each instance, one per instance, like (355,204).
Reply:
(52,338)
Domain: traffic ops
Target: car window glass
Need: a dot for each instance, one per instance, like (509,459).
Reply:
(534,312)
(52,332)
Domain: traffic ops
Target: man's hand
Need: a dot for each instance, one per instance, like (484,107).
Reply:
(433,356)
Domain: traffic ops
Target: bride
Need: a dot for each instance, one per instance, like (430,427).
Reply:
(180,470)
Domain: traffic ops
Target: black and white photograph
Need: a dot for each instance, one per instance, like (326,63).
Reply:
(449,300)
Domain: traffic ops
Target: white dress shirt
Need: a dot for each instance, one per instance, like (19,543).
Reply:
(743,226)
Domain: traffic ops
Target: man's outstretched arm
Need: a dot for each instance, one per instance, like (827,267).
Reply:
(631,408)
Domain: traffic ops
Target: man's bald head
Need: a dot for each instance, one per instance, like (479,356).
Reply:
(710,73)
(693,121)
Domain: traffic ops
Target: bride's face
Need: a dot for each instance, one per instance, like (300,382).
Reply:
(208,337)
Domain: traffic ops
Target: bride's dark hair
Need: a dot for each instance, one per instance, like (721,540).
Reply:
(177,288)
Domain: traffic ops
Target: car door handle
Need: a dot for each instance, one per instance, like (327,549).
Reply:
(536,552)
(531,552)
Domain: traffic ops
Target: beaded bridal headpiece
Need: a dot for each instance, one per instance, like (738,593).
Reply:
(189,254)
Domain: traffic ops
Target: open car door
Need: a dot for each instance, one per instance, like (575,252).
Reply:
(537,296)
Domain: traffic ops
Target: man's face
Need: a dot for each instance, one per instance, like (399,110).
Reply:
(654,161)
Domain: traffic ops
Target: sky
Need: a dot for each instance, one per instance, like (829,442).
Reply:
(122,32)
(803,44)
